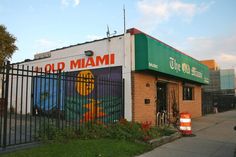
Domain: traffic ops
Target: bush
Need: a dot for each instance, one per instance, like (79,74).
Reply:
(123,129)
(51,133)
(92,132)
(127,131)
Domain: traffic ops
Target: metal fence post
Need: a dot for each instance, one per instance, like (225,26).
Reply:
(123,98)
(6,103)
(58,97)
(96,97)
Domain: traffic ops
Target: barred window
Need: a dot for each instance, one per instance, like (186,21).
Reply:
(188,93)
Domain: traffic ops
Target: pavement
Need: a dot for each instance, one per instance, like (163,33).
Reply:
(215,137)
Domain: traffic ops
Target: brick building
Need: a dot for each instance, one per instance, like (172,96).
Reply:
(164,79)
(157,77)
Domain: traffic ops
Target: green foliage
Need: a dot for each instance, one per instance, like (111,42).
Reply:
(51,133)
(122,130)
(7,44)
(92,132)
(125,130)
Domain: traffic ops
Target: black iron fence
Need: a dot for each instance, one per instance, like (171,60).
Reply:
(31,100)
(223,102)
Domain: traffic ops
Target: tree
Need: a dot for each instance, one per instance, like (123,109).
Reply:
(7,44)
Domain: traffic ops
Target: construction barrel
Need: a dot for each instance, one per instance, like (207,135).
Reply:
(185,123)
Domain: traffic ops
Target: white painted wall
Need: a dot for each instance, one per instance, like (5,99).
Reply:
(127,76)
(100,48)
(123,50)
(20,96)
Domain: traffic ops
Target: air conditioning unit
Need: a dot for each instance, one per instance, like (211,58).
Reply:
(42,55)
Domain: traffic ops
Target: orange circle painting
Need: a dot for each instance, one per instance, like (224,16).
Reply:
(85,84)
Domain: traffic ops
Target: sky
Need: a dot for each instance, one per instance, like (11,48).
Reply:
(200,28)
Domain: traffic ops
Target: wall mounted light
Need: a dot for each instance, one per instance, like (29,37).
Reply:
(89,53)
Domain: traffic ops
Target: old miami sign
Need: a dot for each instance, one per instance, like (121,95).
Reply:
(79,63)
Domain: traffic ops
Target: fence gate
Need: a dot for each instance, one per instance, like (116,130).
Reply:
(224,101)
(32,100)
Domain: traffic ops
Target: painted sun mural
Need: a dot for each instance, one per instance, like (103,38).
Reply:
(80,98)
(85,84)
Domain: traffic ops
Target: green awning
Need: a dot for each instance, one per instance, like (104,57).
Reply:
(151,54)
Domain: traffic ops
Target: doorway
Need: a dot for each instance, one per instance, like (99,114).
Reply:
(161,105)
(161,97)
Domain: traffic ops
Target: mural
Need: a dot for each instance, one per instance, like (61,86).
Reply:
(46,93)
(84,96)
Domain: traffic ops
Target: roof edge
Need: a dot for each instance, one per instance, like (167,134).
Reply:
(134,31)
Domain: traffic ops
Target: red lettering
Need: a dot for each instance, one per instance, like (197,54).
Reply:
(83,62)
(53,68)
(61,66)
(90,62)
(47,68)
(36,68)
(74,64)
(100,60)
(112,58)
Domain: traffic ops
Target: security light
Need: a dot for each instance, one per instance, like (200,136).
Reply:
(88,53)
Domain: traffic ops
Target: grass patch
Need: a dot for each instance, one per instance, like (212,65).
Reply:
(121,139)
(85,148)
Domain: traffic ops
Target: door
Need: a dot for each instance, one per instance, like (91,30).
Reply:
(161,97)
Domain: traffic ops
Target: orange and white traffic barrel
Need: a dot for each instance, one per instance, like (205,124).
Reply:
(185,123)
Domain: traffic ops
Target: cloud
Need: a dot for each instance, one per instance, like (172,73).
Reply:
(67,3)
(155,12)
(64,3)
(76,2)
(228,58)
(220,48)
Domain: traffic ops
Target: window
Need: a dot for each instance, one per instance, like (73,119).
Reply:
(188,93)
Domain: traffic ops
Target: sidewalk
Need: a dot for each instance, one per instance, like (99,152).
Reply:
(215,137)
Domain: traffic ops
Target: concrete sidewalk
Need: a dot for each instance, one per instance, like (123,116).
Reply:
(215,137)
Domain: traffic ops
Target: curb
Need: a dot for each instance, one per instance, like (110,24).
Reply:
(165,139)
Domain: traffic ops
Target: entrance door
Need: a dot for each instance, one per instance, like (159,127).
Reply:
(161,97)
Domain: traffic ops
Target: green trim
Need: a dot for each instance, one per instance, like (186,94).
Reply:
(151,54)
(140,52)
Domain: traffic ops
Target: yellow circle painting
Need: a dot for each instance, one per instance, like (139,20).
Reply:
(85,84)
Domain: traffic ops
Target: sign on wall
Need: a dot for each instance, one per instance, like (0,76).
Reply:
(155,55)
(78,63)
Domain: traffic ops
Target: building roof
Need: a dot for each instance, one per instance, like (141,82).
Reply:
(211,64)
(132,31)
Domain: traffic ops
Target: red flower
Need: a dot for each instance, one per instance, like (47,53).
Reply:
(146,125)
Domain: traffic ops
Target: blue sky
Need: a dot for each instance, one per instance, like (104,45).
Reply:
(200,28)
